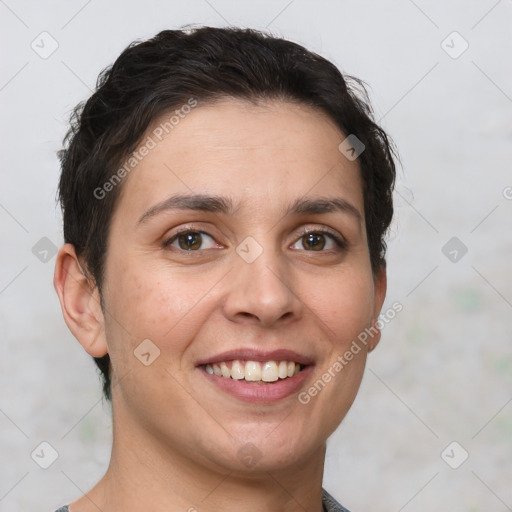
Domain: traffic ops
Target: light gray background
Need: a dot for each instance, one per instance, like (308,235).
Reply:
(443,371)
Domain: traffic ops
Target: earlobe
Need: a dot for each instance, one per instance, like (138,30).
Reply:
(380,287)
(80,302)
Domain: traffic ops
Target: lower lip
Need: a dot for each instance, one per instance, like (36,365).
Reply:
(261,393)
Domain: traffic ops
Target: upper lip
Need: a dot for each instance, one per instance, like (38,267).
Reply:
(255,354)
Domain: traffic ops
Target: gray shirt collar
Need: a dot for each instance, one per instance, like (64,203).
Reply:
(330,504)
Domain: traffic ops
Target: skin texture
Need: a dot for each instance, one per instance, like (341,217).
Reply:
(177,436)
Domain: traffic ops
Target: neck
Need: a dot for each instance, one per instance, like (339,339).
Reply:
(145,473)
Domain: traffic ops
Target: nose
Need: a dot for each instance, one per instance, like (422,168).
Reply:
(261,292)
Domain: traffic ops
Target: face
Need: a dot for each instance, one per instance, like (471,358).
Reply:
(264,263)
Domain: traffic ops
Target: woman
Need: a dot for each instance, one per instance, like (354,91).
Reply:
(225,196)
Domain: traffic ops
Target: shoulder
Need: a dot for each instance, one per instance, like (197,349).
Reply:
(63,509)
(330,504)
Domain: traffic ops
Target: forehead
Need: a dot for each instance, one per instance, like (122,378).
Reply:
(259,155)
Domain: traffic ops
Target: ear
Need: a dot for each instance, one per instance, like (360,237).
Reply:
(80,302)
(380,286)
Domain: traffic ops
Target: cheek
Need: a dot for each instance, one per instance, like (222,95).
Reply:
(150,302)
(343,307)
(344,304)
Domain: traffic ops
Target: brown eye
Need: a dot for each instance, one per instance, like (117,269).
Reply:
(313,241)
(189,240)
(319,241)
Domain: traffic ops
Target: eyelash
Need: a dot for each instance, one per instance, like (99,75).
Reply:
(338,240)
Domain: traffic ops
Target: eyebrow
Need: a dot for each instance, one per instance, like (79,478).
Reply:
(224,205)
(323,205)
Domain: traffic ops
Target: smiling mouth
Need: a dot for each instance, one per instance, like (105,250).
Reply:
(254,372)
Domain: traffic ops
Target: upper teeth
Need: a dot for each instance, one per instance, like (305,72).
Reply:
(269,371)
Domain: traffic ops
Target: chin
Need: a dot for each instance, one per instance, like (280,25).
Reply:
(264,452)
